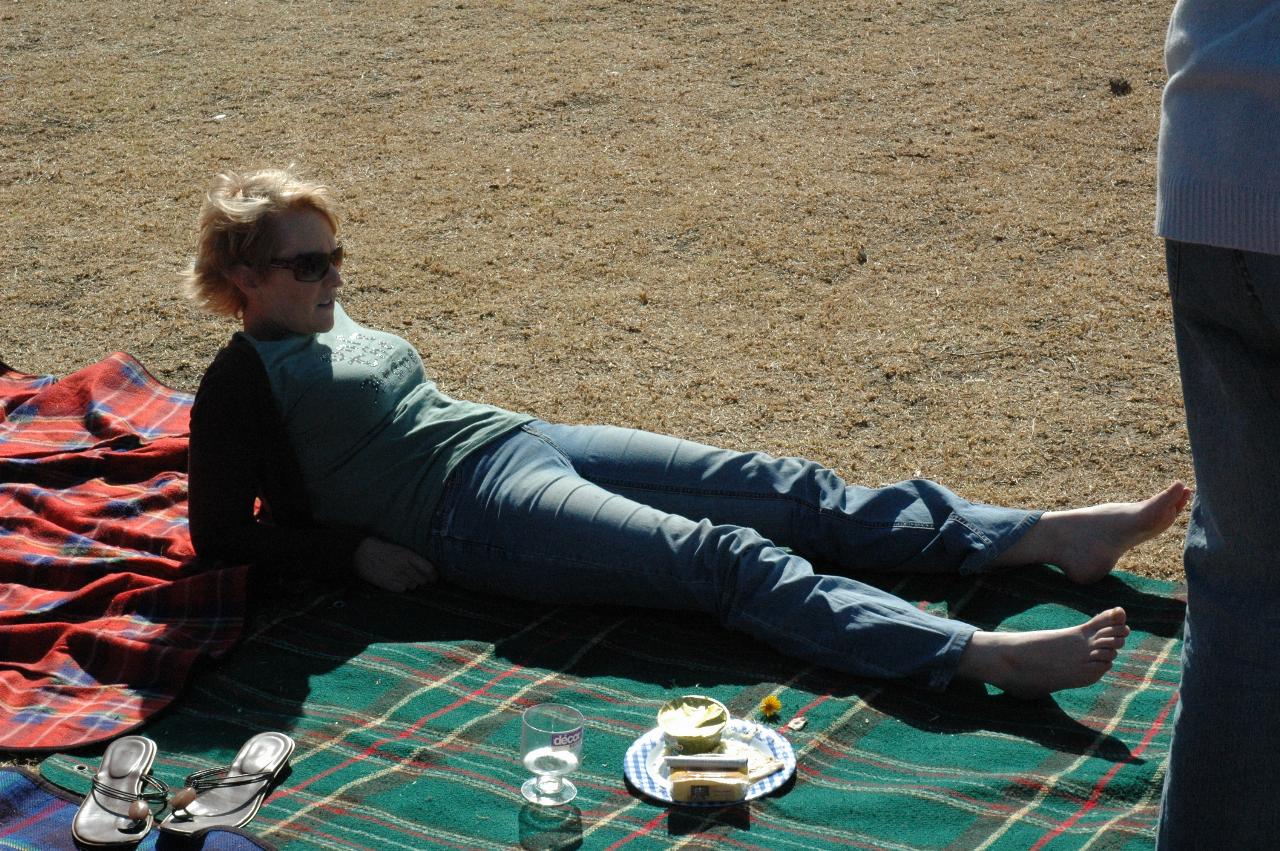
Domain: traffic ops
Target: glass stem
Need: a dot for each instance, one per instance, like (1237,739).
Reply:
(549,785)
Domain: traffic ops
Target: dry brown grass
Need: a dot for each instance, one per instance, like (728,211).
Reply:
(905,238)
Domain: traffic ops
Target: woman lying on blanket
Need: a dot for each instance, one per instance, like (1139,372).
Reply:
(363,464)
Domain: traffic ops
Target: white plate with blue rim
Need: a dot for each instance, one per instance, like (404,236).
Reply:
(647,771)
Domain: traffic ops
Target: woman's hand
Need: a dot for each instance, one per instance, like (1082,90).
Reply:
(392,567)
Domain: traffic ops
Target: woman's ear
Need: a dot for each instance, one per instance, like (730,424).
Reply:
(244,279)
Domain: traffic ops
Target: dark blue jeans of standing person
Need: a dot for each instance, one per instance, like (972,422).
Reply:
(1219,790)
(596,514)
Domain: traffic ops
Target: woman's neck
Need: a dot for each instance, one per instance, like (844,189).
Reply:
(261,328)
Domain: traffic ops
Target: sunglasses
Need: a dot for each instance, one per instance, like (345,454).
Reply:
(312,266)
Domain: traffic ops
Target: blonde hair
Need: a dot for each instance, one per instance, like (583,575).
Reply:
(239,226)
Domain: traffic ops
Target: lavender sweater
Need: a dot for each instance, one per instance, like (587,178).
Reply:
(1219,155)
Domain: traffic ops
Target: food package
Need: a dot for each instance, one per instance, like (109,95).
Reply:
(708,787)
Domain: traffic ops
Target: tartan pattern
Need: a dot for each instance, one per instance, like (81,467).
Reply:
(36,816)
(103,610)
(406,710)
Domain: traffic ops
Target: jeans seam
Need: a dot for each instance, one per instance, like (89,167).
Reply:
(535,432)
(978,533)
(759,497)
(1173,267)
(940,667)
(989,551)
(1246,278)
(824,648)
(948,661)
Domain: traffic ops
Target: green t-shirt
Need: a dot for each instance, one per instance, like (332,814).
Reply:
(375,438)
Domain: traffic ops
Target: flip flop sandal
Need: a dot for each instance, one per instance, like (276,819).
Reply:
(230,796)
(117,810)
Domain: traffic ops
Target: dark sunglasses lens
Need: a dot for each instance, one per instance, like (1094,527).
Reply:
(311,267)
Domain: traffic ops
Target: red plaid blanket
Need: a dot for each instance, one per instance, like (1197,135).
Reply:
(103,609)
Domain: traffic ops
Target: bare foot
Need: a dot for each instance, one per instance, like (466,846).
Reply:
(1034,664)
(1087,542)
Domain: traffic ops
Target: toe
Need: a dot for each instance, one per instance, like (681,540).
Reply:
(1120,631)
(1110,619)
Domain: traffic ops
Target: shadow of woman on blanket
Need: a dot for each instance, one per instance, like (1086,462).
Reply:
(996,602)
(680,652)
(295,657)
(1002,596)
(970,708)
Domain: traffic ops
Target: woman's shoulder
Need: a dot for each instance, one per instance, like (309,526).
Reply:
(235,369)
(237,355)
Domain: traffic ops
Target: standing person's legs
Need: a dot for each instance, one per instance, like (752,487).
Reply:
(1218,789)
(912,526)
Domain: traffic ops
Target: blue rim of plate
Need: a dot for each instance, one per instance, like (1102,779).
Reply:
(636,764)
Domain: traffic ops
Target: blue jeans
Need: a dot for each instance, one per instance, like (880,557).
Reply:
(604,515)
(1226,737)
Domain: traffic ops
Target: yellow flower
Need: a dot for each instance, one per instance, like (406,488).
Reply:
(770,706)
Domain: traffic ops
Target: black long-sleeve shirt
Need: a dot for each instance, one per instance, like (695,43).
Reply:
(240,453)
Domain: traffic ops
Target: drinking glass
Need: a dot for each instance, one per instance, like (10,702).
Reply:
(551,747)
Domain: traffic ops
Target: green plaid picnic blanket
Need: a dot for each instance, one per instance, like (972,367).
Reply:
(406,710)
